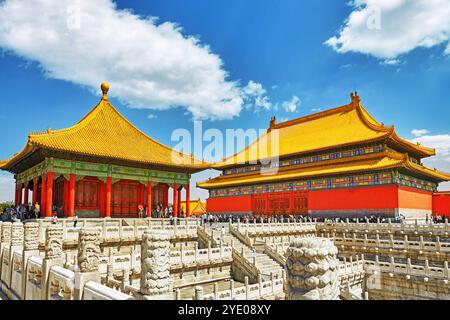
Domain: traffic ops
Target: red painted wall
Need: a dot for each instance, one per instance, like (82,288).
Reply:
(441,204)
(229,204)
(382,197)
(414,199)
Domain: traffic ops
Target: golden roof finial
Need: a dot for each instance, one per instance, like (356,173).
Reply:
(105,89)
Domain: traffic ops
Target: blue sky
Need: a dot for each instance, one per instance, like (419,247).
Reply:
(278,46)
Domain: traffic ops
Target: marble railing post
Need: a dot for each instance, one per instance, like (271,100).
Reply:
(53,254)
(216,291)
(5,236)
(181,254)
(133,259)
(232,289)
(198,293)
(260,282)
(17,236)
(247,287)
(438,243)
(209,250)
(155,266)
(196,251)
(109,271)
(30,248)
(88,260)
(125,278)
(318,280)
(16,245)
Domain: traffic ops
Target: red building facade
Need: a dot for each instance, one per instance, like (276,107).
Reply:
(101,167)
(340,162)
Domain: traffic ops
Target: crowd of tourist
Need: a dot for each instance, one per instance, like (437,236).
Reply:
(29,211)
(212,219)
(222,218)
(21,212)
(165,212)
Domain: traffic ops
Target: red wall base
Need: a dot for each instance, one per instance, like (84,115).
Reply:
(241,204)
(378,199)
(383,197)
(441,204)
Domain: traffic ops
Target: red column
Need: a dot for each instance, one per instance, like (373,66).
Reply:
(25,190)
(175,200)
(166,196)
(49,195)
(66,198)
(267,204)
(141,194)
(179,201)
(188,200)
(35,188)
(291,202)
(20,194)
(149,199)
(101,199)
(43,194)
(16,201)
(108,198)
(71,200)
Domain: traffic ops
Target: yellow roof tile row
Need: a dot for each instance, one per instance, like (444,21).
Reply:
(197,207)
(386,160)
(105,133)
(347,125)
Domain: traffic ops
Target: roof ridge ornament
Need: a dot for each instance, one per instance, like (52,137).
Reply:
(105,88)
(355,98)
(273,121)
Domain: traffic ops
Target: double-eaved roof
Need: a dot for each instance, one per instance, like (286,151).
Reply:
(105,134)
(345,126)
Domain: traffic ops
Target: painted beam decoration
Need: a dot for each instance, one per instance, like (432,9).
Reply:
(101,171)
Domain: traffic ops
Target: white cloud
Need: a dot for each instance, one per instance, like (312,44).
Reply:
(442,159)
(391,62)
(387,29)
(440,142)
(292,105)
(152,116)
(447,50)
(255,96)
(148,65)
(254,89)
(7,187)
(419,132)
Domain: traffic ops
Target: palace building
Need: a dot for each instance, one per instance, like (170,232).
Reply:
(101,167)
(197,207)
(340,162)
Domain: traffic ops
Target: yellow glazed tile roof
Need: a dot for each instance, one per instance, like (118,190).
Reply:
(385,160)
(427,171)
(343,126)
(104,132)
(197,207)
